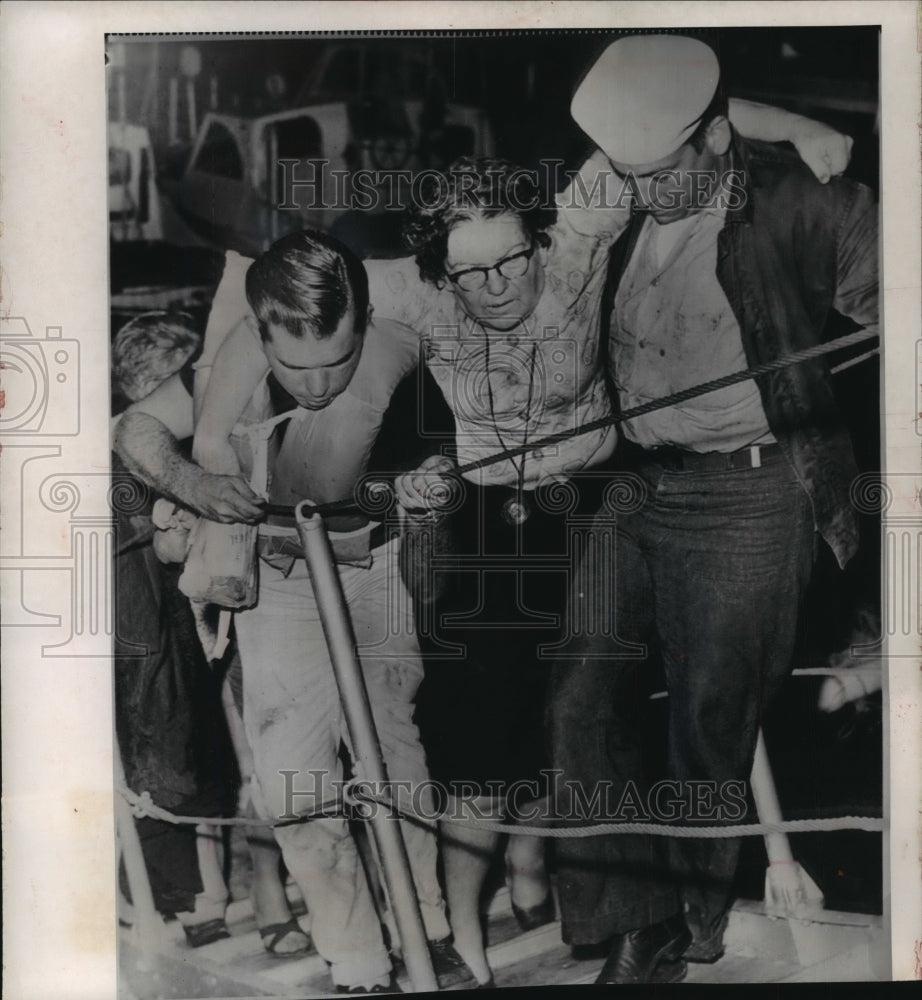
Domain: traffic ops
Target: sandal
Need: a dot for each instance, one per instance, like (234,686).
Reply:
(274,934)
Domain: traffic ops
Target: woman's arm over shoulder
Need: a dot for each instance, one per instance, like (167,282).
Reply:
(397,292)
(596,202)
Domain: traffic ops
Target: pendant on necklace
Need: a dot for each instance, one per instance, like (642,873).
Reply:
(516,510)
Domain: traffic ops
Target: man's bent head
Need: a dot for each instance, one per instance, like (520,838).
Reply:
(654,105)
(309,294)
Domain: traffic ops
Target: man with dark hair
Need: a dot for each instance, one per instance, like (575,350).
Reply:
(306,283)
(328,375)
(736,256)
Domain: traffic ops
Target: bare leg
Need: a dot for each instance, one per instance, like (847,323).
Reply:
(270,904)
(211,902)
(528,881)
(466,856)
(525,860)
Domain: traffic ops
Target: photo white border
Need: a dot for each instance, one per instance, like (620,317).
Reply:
(58,829)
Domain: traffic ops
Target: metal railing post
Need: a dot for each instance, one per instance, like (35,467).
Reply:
(337,629)
(147,926)
(789,890)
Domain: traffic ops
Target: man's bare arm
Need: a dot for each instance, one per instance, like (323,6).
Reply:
(146,438)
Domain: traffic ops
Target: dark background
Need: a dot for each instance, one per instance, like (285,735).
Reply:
(525,81)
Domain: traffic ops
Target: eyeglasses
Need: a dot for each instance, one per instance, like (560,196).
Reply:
(474,278)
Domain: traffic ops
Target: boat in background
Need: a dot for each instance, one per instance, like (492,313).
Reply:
(343,157)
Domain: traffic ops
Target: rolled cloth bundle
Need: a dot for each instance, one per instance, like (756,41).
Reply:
(221,565)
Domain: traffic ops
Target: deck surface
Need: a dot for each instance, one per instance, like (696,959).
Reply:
(828,947)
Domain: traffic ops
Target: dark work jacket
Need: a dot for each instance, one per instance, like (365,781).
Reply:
(791,250)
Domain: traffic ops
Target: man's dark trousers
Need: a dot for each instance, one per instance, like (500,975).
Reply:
(711,567)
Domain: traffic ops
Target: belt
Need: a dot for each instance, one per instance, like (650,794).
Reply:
(288,545)
(681,460)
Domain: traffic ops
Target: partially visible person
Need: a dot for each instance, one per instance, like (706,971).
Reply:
(147,350)
(859,668)
(147,353)
(164,696)
(740,485)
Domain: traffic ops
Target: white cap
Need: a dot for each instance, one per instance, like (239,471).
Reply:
(645,95)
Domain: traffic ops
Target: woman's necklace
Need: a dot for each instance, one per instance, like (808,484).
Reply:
(515,510)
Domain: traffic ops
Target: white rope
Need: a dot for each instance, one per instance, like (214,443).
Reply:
(870,824)
(143,806)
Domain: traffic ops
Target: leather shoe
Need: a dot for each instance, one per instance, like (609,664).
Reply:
(207,932)
(707,945)
(449,967)
(650,954)
(530,917)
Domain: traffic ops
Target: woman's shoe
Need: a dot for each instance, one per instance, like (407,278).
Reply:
(530,917)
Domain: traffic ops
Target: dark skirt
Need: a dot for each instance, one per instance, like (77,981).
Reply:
(168,717)
(489,638)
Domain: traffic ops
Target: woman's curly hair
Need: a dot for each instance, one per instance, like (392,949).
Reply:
(472,188)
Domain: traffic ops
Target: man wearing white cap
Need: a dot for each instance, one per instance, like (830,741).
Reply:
(736,256)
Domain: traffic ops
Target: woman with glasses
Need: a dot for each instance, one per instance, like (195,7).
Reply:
(514,350)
